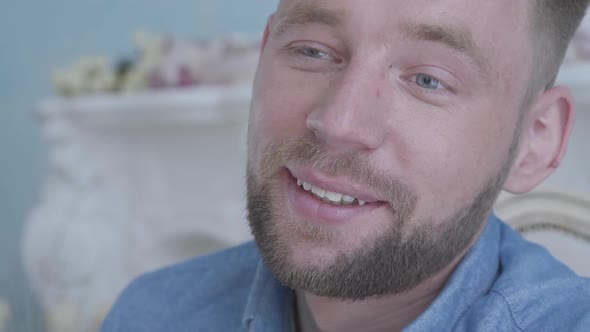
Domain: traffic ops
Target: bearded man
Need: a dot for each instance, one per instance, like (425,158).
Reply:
(381,132)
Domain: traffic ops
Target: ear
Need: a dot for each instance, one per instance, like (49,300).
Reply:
(266,32)
(543,140)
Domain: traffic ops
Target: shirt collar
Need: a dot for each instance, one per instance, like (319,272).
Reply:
(471,280)
(269,302)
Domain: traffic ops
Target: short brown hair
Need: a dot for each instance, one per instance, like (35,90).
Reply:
(553,24)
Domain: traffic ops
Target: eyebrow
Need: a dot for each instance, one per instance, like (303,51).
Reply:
(309,13)
(455,38)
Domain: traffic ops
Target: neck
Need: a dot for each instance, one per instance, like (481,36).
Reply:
(386,313)
(392,314)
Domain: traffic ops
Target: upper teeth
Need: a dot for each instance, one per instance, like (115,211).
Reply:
(329,196)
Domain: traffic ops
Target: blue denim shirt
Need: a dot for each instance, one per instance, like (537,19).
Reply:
(504,283)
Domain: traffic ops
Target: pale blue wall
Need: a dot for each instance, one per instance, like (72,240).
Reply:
(37,36)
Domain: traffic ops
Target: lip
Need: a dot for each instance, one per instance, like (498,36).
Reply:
(337,185)
(311,208)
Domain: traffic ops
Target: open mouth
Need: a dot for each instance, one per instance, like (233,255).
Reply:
(329,196)
(322,199)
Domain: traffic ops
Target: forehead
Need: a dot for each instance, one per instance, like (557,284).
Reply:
(508,13)
(493,33)
(482,20)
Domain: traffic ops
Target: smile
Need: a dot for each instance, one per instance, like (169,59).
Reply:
(329,196)
(327,199)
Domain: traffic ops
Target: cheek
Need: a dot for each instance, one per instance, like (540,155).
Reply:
(452,161)
(276,113)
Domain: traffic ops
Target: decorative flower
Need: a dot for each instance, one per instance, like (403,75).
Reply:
(164,62)
(229,60)
(149,53)
(88,75)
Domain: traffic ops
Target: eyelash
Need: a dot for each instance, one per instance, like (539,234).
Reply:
(300,51)
(444,87)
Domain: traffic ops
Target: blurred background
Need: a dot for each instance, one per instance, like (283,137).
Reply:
(38,37)
(110,170)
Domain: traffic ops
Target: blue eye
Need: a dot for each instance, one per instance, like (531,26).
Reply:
(314,53)
(428,82)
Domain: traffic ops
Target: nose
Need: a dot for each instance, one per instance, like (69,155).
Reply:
(350,115)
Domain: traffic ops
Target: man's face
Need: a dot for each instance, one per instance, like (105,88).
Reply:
(380,134)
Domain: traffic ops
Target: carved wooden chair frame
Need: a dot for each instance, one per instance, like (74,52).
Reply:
(547,209)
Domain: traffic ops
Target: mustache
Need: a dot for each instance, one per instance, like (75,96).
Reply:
(356,165)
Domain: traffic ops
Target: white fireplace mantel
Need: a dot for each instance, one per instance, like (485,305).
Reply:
(135,182)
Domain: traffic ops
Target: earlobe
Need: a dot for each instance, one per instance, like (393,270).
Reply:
(544,135)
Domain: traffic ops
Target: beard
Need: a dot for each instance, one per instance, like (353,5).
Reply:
(393,261)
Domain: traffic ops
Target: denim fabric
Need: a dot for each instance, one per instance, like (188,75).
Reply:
(504,283)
